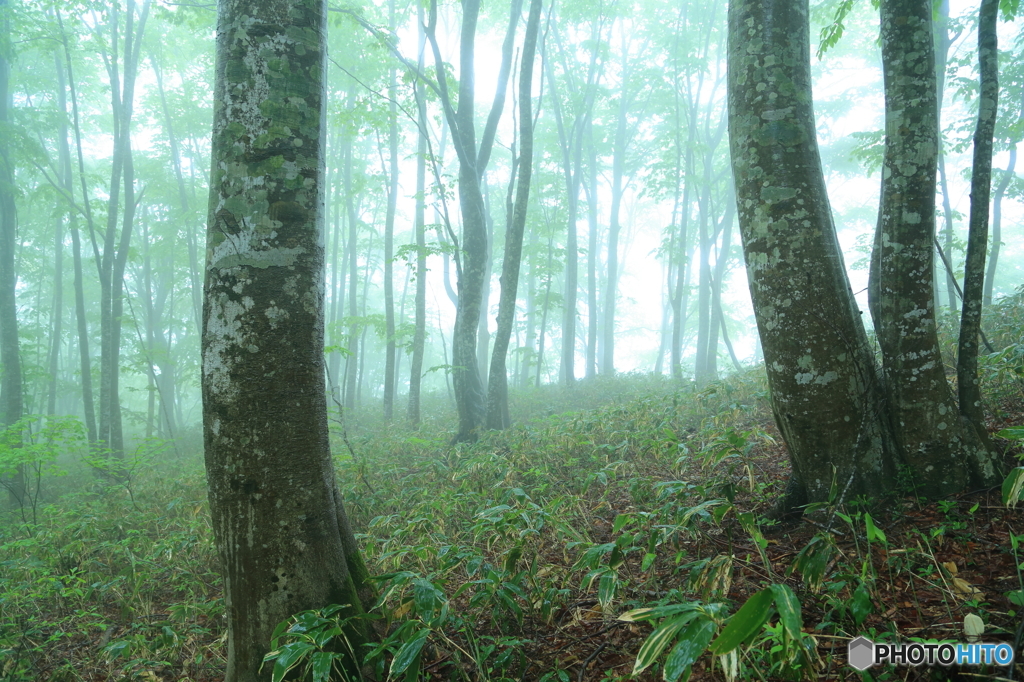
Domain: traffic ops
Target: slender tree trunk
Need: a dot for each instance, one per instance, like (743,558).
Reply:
(943,41)
(85,367)
(997,225)
(352,359)
(544,312)
(64,172)
(420,333)
(469,395)
(614,227)
(11,398)
(497,385)
(968,382)
(389,234)
(593,255)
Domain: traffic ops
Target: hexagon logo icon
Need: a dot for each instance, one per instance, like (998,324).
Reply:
(860,653)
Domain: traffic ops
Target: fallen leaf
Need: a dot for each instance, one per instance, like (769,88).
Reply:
(950,566)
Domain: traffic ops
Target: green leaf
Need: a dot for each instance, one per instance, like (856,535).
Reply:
(874,532)
(1012,487)
(788,607)
(648,561)
(657,641)
(606,588)
(409,652)
(751,616)
(860,604)
(620,522)
(321,663)
(287,658)
(1012,433)
(692,644)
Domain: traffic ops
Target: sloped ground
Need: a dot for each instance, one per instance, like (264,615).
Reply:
(513,559)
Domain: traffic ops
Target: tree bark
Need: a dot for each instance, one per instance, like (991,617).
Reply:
(278,519)
(825,394)
(389,235)
(497,384)
(469,396)
(11,398)
(85,361)
(936,445)
(420,333)
(968,382)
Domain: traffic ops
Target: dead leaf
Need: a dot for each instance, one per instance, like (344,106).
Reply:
(950,566)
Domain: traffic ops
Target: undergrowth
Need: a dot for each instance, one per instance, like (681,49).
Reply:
(617,532)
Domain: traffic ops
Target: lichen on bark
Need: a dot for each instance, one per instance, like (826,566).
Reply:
(279,522)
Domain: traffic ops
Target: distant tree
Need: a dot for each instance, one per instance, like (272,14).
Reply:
(497,384)
(279,522)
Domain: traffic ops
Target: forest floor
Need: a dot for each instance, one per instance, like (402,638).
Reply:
(517,558)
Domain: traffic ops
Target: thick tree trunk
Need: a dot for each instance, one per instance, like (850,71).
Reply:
(923,413)
(278,518)
(825,394)
(497,384)
(968,382)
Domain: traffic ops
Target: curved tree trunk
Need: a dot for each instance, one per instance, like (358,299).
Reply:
(825,394)
(279,523)
(934,442)
(497,383)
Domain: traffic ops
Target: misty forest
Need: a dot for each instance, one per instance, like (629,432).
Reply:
(536,340)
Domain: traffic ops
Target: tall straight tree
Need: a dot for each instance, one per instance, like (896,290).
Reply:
(278,518)
(389,233)
(977,235)
(11,399)
(85,362)
(419,219)
(122,70)
(497,383)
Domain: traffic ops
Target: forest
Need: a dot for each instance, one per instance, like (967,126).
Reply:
(550,340)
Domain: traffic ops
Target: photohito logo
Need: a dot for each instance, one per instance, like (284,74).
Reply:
(862,653)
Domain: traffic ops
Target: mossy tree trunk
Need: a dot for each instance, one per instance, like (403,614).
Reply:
(936,444)
(279,523)
(825,393)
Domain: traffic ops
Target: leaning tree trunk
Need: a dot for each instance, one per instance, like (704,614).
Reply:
(977,234)
(284,540)
(497,383)
(938,447)
(825,395)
